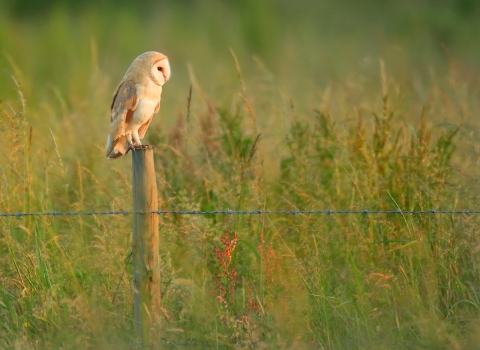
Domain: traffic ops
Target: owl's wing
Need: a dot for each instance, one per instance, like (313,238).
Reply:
(143,129)
(124,103)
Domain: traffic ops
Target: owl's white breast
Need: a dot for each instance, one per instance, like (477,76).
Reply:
(148,99)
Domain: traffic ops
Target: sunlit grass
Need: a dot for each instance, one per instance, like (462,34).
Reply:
(376,139)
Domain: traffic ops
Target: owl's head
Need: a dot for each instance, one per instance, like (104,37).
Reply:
(155,63)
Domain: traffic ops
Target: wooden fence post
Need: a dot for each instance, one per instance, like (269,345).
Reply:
(145,248)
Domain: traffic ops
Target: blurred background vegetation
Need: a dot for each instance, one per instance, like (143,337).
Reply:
(300,43)
(64,53)
(360,104)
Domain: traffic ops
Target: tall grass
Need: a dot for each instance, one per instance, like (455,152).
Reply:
(255,136)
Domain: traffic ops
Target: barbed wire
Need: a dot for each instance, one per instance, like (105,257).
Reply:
(250,212)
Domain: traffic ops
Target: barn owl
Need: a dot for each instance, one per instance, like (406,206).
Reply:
(135,100)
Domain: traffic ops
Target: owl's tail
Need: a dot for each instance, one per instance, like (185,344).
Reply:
(116,148)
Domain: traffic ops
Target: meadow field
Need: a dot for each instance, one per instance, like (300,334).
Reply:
(294,106)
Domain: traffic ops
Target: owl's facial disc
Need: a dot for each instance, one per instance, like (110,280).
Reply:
(161,71)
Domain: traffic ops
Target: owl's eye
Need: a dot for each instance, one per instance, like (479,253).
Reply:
(159,68)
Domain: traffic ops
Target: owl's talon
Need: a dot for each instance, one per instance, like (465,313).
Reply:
(143,146)
(130,147)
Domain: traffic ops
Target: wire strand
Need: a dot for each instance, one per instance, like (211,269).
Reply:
(250,212)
